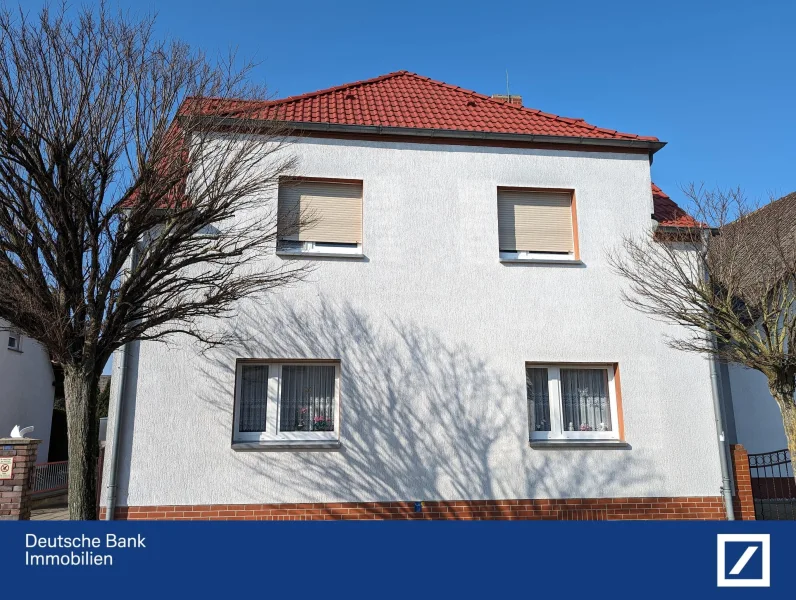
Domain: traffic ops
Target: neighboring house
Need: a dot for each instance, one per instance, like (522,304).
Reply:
(753,416)
(754,419)
(460,339)
(26,387)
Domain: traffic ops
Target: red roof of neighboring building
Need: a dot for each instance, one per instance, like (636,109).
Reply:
(667,212)
(407,100)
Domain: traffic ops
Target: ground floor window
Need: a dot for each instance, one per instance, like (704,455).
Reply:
(285,401)
(572,402)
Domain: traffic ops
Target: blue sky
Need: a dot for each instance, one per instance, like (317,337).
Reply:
(716,80)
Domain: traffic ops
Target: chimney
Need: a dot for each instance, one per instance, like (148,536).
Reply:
(515,100)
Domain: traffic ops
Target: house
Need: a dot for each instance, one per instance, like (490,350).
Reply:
(753,416)
(26,386)
(460,349)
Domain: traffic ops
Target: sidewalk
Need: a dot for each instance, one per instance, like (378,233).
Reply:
(50,513)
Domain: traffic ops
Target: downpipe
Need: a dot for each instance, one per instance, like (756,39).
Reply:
(120,371)
(718,413)
(726,482)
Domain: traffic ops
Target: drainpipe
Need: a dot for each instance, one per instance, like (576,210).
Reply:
(726,483)
(120,368)
(718,413)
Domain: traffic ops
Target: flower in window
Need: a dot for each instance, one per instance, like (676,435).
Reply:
(320,423)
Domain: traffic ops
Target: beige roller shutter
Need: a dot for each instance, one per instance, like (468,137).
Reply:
(535,221)
(320,211)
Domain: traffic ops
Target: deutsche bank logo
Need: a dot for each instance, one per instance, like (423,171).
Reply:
(744,559)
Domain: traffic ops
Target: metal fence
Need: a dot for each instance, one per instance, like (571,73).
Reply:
(773,485)
(50,477)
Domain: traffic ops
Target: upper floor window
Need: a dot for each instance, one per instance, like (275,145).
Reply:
(320,217)
(572,402)
(15,341)
(290,404)
(537,224)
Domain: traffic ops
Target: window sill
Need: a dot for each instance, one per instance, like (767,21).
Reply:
(572,262)
(578,444)
(299,254)
(282,446)
(17,350)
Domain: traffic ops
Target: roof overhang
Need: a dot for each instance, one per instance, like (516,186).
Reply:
(472,137)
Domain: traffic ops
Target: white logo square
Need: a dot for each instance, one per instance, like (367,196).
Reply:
(764,539)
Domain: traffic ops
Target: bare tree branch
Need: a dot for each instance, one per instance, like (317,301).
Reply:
(729,282)
(112,143)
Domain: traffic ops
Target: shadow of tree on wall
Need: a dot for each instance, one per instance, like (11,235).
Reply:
(421,419)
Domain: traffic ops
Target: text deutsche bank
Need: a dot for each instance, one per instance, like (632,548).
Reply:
(81,549)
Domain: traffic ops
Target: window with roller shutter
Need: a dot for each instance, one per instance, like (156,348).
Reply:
(320,216)
(536,224)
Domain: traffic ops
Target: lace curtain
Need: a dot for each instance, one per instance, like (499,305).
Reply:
(584,400)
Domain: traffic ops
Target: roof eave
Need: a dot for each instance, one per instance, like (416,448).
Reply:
(302,126)
(681,228)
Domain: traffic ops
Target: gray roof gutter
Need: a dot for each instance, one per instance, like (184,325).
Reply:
(453,134)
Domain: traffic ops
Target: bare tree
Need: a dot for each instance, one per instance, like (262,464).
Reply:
(730,280)
(130,198)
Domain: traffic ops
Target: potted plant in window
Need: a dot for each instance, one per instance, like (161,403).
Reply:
(320,423)
(302,418)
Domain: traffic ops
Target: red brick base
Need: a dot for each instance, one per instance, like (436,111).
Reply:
(598,509)
(743,502)
(15,492)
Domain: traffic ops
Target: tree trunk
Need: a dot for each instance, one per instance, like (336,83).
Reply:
(80,390)
(787,407)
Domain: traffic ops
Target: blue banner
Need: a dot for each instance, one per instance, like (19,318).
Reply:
(397,559)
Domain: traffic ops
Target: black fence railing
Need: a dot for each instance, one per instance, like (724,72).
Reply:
(773,485)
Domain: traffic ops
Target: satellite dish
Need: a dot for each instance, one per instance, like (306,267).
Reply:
(20,433)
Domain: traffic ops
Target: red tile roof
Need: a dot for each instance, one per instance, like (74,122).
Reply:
(666,211)
(408,100)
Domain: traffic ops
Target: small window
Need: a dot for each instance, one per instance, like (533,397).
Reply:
(287,403)
(15,341)
(572,402)
(320,217)
(536,224)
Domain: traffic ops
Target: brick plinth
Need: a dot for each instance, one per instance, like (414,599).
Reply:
(601,509)
(742,500)
(15,493)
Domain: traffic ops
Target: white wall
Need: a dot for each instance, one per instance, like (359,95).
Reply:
(26,390)
(758,420)
(433,333)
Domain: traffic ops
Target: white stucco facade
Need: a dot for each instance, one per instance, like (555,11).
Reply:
(432,333)
(26,389)
(758,420)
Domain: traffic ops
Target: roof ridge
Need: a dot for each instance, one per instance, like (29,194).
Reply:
(337,88)
(767,206)
(656,189)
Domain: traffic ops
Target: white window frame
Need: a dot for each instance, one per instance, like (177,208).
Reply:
(272,435)
(544,257)
(311,248)
(318,249)
(558,257)
(17,336)
(558,430)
